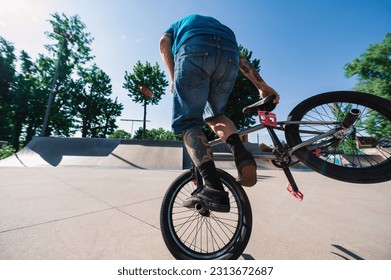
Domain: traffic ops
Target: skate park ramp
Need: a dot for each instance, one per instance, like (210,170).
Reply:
(118,153)
(56,151)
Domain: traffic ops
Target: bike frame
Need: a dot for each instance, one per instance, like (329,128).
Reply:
(287,151)
(281,155)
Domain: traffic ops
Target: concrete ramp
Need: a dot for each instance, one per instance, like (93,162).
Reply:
(143,154)
(146,154)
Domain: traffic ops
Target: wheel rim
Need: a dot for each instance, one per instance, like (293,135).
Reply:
(364,145)
(204,237)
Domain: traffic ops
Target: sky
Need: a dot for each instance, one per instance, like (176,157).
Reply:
(302,45)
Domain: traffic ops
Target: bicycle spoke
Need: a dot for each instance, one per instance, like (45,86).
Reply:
(222,224)
(344,152)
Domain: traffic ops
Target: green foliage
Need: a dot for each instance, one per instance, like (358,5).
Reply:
(70,31)
(373,71)
(82,90)
(6,151)
(70,52)
(95,110)
(145,75)
(156,134)
(7,76)
(149,76)
(28,102)
(119,134)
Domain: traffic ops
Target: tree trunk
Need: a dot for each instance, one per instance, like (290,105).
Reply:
(145,119)
(17,129)
(85,128)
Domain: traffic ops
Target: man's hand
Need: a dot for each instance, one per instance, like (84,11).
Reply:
(172,87)
(267,90)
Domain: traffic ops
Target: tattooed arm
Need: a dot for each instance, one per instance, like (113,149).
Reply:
(165,46)
(255,78)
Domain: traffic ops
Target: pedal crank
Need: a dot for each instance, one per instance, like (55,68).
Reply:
(280,152)
(292,186)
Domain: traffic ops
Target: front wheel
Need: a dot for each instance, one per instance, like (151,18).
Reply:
(360,154)
(193,234)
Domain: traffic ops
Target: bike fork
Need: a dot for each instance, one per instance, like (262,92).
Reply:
(292,186)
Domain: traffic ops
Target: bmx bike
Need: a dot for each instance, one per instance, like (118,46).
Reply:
(323,132)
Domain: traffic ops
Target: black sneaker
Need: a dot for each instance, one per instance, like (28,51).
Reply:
(247,169)
(210,199)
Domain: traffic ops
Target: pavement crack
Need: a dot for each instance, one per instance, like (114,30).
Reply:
(110,207)
(55,220)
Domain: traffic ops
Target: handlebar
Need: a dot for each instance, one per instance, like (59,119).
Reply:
(266,104)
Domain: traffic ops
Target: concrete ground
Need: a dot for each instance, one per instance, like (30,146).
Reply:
(77,213)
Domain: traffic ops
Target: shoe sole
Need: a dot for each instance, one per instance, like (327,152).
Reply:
(248,176)
(217,207)
(207,205)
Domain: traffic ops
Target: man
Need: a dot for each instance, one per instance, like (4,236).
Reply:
(201,56)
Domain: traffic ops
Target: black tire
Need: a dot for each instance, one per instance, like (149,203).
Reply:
(187,233)
(344,159)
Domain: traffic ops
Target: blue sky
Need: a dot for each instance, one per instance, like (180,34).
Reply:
(303,45)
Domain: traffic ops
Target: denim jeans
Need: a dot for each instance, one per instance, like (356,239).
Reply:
(206,67)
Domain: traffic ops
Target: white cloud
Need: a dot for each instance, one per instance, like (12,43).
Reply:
(14,6)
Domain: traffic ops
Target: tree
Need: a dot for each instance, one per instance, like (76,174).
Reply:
(145,76)
(119,134)
(71,50)
(6,151)
(243,94)
(92,103)
(373,71)
(156,134)
(7,75)
(22,95)
(112,110)
(66,76)
(40,76)
(77,49)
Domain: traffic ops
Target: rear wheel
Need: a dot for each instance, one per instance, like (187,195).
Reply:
(361,154)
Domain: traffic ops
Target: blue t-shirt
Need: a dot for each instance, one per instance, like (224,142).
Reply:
(193,25)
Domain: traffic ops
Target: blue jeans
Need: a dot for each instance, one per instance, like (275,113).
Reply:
(206,68)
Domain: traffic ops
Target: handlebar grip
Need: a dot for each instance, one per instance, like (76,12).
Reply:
(266,104)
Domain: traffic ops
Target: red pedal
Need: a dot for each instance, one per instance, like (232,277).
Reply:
(267,118)
(298,195)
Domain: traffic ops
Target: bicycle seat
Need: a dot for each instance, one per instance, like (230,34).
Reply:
(265,104)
